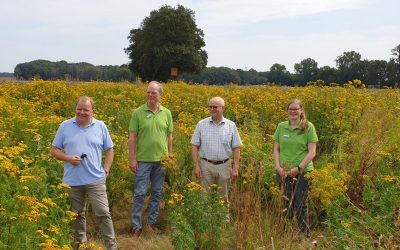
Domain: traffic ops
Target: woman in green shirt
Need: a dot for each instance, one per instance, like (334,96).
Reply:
(295,143)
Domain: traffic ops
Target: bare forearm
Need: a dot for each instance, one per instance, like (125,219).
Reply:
(59,155)
(236,158)
(312,148)
(132,146)
(276,156)
(169,141)
(195,150)
(108,159)
(307,159)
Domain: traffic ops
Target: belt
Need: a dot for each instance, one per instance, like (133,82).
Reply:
(215,162)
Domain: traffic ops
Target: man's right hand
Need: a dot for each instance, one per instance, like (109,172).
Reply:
(134,166)
(74,160)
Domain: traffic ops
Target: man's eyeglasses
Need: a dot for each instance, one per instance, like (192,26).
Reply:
(295,109)
(213,107)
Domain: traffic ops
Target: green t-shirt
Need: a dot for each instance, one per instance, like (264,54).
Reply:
(152,129)
(293,147)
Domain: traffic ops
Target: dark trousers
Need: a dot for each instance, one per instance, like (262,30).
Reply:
(296,191)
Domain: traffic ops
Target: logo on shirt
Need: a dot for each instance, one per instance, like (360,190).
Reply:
(286,136)
(149,115)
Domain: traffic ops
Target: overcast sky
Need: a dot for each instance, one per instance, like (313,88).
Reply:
(238,33)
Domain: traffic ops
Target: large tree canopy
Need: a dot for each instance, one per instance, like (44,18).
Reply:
(168,38)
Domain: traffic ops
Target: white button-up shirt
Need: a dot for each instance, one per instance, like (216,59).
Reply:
(216,141)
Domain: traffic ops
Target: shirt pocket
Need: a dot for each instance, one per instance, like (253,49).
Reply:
(227,138)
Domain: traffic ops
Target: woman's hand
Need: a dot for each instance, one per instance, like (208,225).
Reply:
(281,172)
(293,172)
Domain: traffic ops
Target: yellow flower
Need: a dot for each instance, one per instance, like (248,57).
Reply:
(49,202)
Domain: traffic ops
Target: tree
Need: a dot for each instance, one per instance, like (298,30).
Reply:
(306,70)
(395,65)
(278,74)
(396,53)
(349,66)
(168,38)
(251,77)
(376,74)
(214,76)
(327,74)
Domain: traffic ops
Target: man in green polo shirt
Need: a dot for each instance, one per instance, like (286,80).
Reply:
(150,137)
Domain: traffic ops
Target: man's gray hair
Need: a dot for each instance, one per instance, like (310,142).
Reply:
(217,99)
(160,88)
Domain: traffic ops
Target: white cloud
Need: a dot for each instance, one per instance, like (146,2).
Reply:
(239,12)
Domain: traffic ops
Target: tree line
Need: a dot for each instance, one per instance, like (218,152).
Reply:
(349,66)
(62,70)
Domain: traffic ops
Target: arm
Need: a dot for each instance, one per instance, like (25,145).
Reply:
(197,171)
(169,141)
(312,149)
(236,159)
(108,159)
(60,155)
(132,141)
(278,167)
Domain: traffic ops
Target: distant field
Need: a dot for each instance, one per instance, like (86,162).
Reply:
(7,78)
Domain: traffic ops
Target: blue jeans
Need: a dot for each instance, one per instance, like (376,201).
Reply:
(147,172)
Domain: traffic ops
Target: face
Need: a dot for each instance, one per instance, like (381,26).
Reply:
(153,94)
(294,111)
(216,108)
(84,112)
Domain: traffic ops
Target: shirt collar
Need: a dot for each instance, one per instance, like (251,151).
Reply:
(223,121)
(160,107)
(287,126)
(91,124)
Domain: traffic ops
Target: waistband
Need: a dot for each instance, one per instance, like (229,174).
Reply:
(215,162)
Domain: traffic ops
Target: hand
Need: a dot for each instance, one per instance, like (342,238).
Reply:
(234,173)
(197,171)
(74,160)
(292,172)
(134,166)
(281,172)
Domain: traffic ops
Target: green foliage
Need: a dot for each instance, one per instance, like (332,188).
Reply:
(168,38)
(198,219)
(46,70)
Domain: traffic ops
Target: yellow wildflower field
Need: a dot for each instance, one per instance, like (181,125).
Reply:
(357,157)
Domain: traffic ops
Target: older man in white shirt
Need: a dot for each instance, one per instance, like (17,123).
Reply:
(214,140)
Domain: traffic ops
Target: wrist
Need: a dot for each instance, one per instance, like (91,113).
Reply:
(299,168)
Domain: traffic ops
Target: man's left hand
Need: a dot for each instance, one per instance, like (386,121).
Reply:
(234,174)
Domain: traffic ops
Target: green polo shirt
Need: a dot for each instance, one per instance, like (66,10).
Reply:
(152,129)
(294,146)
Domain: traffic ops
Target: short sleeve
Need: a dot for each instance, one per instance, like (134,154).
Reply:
(196,136)
(276,134)
(311,134)
(107,141)
(170,123)
(236,141)
(58,141)
(134,122)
